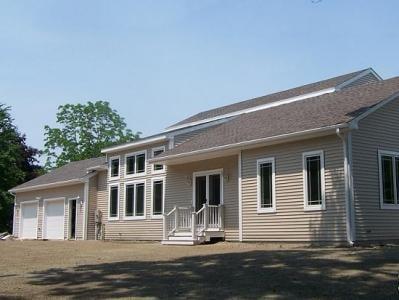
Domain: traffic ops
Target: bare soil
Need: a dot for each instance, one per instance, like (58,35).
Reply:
(94,269)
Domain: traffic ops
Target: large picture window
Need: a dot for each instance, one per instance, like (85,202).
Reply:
(135,200)
(313,173)
(266,185)
(389,179)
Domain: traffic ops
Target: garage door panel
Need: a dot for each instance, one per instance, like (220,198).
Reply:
(29,220)
(54,220)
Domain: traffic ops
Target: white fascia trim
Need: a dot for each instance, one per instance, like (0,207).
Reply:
(355,122)
(357,77)
(253,109)
(47,185)
(242,145)
(141,142)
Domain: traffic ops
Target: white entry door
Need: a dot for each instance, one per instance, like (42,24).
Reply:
(29,220)
(54,219)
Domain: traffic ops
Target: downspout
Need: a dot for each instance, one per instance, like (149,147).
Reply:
(348,187)
(240,196)
(86,208)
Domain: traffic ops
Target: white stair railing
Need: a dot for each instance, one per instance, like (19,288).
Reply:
(184,218)
(169,223)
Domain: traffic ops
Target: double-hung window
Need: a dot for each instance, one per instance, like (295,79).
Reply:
(135,163)
(113,203)
(389,179)
(158,194)
(113,167)
(135,200)
(313,177)
(156,168)
(266,185)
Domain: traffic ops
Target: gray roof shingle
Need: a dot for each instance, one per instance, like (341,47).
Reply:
(71,171)
(322,111)
(301,90)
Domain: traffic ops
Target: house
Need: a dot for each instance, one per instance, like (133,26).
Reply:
(316,163)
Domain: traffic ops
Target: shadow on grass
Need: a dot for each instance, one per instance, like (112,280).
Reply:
(255,274)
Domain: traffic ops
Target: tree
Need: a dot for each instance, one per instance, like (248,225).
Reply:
(18,164)
(84,130)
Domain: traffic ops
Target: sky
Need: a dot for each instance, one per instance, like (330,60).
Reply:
(158,62)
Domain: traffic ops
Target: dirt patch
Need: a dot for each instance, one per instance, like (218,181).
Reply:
(223,270)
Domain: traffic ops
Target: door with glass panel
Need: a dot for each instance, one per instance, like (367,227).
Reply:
(207,189)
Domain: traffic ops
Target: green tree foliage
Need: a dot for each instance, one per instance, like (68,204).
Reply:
(17,164)
(84,130)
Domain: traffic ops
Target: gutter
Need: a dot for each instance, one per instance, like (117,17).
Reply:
(349,207)
(243,145)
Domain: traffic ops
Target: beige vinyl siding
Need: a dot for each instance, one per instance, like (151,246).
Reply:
(92,207)
(291,222)
(378,131)
(68,192)
(179,188)
(121,229)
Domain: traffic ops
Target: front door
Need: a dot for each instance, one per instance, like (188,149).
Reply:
(207,189)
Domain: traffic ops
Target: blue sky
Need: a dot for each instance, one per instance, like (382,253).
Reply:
(158,62)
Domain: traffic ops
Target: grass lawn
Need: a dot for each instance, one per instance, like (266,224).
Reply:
(223,270)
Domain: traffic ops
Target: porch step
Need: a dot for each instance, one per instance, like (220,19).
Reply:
(180,237)
(179,242)
(182,233)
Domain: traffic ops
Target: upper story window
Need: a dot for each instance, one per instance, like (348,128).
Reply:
(155,152)
(135,163)
(114,167)
(313,174)
(389,179)
(266,185)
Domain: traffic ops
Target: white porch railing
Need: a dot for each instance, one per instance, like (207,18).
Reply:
(185,219)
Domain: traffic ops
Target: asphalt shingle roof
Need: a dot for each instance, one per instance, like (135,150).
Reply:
(73,170)
(322,111)
(301,90)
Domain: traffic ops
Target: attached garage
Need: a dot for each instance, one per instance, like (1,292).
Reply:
(29,216)
(54,219)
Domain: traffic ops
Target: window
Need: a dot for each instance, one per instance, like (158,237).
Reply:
(155,152)
(389,179)
(266,185)
(135,163)
(113,213)
(134,200)
(114,167)
(313,173)
(157,196)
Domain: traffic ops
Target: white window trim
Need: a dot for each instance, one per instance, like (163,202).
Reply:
(135,174)
(382,204)
(321,206)
(37,217)
(44,219)
(153,165)
(134,217)
(110,170)
(207,173)
(260,209)
(109,202)
(152,197)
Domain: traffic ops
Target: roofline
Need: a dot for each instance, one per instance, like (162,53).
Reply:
(358,76)
(141,142)
(255,108)
(243,145)
(47,185)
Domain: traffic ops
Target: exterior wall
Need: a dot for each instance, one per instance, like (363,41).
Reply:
(291,222)
(68,192)
(378,131)
(179,188)
(144,229)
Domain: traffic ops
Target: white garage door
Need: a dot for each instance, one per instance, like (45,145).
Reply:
(54,220)
(29,220)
